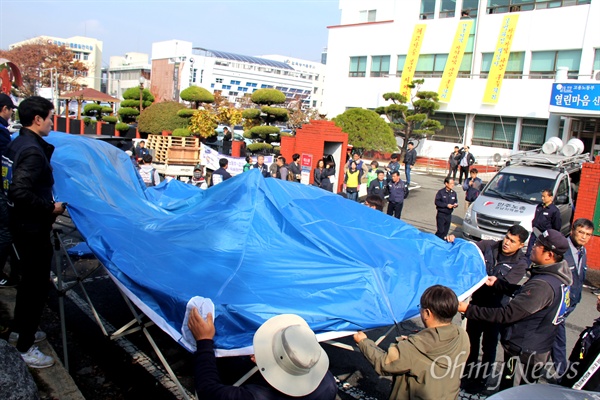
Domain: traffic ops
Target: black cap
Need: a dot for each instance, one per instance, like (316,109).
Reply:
(5,100)
(555,241)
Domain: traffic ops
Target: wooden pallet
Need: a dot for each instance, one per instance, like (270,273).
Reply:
(183,155)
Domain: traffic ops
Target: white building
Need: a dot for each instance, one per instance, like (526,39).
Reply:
(176,65)
(87,50)
(368,50)
(124,72)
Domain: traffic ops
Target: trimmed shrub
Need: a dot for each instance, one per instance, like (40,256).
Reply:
(259,147)
(186,113)
(110,119)
(280,114)
(197,95)
(128,112)
(184,132)
(130,103)
(91,109)
(134,94)
(121,127)
(161,117)
(288,134)
(251,113)
(264,130)
(87,120)
(106,110)
(268,97)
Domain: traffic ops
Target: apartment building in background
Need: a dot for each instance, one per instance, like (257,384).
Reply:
(84,49)
(510,73)
(177,64)
(124,72)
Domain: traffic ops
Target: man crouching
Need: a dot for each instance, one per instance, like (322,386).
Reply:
(429,364)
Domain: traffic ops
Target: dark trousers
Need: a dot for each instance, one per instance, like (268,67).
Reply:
(487,335)
(463,171)
(532,239)
(35,257)
(395,209)
(443,224)
(452,172)
(522,368)
(5,236)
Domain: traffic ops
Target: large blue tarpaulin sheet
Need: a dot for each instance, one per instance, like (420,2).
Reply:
(256,247)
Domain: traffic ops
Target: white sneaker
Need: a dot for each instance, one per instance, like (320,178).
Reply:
(34,358)
(13,338)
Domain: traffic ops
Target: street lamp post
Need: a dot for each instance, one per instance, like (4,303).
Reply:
(142,81)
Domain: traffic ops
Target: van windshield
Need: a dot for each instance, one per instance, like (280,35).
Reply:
(517,187)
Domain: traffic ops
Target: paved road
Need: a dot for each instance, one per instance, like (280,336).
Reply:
(131,369)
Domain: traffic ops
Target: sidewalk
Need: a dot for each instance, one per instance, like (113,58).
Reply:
(54,382)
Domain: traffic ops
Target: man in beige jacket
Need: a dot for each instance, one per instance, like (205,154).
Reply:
(429,364)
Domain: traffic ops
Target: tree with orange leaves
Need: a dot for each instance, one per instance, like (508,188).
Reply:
(36,58)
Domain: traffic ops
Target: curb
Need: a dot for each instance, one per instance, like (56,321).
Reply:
(54,382)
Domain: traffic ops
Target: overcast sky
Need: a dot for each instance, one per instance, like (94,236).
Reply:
(294,28)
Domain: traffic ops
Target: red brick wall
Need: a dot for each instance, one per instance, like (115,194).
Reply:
(310,139)
(586,204)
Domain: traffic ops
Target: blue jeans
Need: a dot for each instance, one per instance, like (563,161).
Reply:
(407,168)
(352,196)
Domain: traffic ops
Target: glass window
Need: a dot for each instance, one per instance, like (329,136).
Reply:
(533,133)
(494,131)
(514,67)
(427,9)
(219,80)
(358,66)
(400,65)
(380,65)
(447,8)
(469,8)
(454,126)
(545,63)
(597,60)
(367,15)
(226,87)
(86,56)
(431,65)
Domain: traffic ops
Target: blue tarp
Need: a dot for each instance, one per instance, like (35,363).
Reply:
(256,247)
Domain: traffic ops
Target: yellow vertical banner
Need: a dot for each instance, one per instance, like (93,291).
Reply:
(500,59)
(410,65)
(455,58)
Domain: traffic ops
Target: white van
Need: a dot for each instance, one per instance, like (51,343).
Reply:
(512,195)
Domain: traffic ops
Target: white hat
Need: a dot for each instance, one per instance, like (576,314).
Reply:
(289,356)
(129,153)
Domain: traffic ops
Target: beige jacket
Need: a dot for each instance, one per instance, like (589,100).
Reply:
(427,365)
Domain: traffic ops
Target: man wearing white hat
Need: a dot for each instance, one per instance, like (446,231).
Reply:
(288,356)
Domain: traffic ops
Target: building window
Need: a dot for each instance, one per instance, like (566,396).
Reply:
(212,85)
(358,66)
(226,87)
(504,6)
(514,67)
(218,80)
(86,56)
(469,8)
(545,63)
(77,56)
(242,89)
(596,61)
(367,15)
(431,65)
(235,82)
(263,86)
(250,84)
(233,93)
(380,65)
(533,133)
(447,8)
(400,64)
(427,9)
(494,131)
(454,127)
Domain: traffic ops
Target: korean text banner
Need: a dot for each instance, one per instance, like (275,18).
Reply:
(455,57)
(575,98)
(410,64)
(255,247)
(500,59)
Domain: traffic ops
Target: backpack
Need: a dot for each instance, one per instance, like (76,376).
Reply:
(290,176)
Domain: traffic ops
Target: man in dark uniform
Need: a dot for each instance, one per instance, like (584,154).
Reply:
(6,109)
(547,216)
(396,190)
(260,165)
(294,167)
(530,319)
(378,186)
(504,260)
(410,158)
(446,201)
(581,233)
(27,175)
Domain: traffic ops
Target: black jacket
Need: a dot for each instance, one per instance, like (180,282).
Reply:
(444,197)
(529,318)
(577,274)
(264,170)
(377,187)
(396,191)
(209,386)
(508,268)
(582,360)
(470,158)
(31,188)
(295,169)
(410,157)
(547,218)
(4,135)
